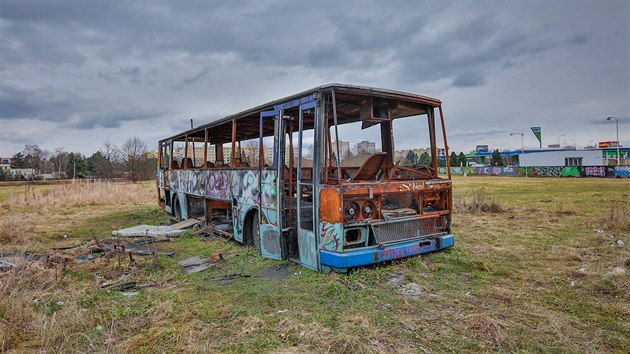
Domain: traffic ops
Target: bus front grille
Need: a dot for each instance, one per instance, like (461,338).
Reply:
(393,231)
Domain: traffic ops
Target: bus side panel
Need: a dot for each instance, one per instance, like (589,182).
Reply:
(244,192)
(331,236)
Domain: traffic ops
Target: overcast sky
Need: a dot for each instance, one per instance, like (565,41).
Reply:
(74,74)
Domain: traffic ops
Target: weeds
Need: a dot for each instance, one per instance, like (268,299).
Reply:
(479,203)
(617,219)
(80,193)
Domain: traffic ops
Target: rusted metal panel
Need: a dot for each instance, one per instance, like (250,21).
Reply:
(330,205)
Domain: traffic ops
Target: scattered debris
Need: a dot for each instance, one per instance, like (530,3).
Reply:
(146,240)
(6,265)
(187,223)
(599,231)
(197,264)
(69,247)
(412,290)
(279,312)
(616,271)
(149,230)
(572,284)
(356,286)
(122,286)
(99,328)
(115,245)
(230,276)
(129,293)
(582,270)
(395,278)
(60,303)
(620,243)
(88,257)
(25,255)
(132,285)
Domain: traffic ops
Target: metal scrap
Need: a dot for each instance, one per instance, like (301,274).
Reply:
(6,265)
(69,247)
(132,285)
(230,277)
(88,257)
(115,245)
(197,264)
(146,240)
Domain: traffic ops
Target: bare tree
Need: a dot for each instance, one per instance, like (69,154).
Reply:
(110,151)
(108,157)
(133,155)
(59,160)
(35,157)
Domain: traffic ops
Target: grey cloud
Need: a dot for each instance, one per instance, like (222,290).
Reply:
(69,109)
(191,80)
(469,79)
(88,65)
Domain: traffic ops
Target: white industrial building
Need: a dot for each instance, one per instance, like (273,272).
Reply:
(568,157)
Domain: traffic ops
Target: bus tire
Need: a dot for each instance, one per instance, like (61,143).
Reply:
(251,230)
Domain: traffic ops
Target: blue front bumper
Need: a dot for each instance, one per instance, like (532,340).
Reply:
(376,254)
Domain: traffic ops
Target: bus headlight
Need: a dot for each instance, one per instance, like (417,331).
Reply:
(351,211)
(369,210)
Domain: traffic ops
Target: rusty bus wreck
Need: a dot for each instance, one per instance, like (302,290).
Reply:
(309,207)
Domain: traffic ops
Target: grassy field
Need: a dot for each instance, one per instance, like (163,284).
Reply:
(533,274)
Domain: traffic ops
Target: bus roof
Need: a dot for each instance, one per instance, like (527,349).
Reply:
(340,89)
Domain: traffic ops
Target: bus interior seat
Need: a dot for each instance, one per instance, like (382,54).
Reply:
(174,165)
(371,167)
(187,162)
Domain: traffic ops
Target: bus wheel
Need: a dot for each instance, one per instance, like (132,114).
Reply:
(252,231)
(256,231)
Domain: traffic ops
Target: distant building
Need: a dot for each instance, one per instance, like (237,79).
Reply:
(5,164)
(344,149)
(368,147)
(249,152)
(400,155)
(557,157)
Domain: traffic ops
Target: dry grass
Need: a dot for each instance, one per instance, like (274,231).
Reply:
(617,220)
(80,194)
(34,216)
(15,229)
(36,309)
(480,202)
(511,284)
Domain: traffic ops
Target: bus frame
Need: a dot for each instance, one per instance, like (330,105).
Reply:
(326,217)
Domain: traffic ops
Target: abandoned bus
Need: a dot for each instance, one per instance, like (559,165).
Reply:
(280,178)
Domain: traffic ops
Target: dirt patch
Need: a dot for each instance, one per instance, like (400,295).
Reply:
(279,272)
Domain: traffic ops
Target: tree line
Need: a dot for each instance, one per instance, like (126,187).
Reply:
(412,159)
(130,160)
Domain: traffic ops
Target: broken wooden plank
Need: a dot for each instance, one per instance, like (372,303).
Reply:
(187,223)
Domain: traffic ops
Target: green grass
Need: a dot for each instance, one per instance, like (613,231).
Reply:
(505,286)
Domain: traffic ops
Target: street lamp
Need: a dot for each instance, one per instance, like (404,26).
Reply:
(617,126)
(522,150)
(565,139)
